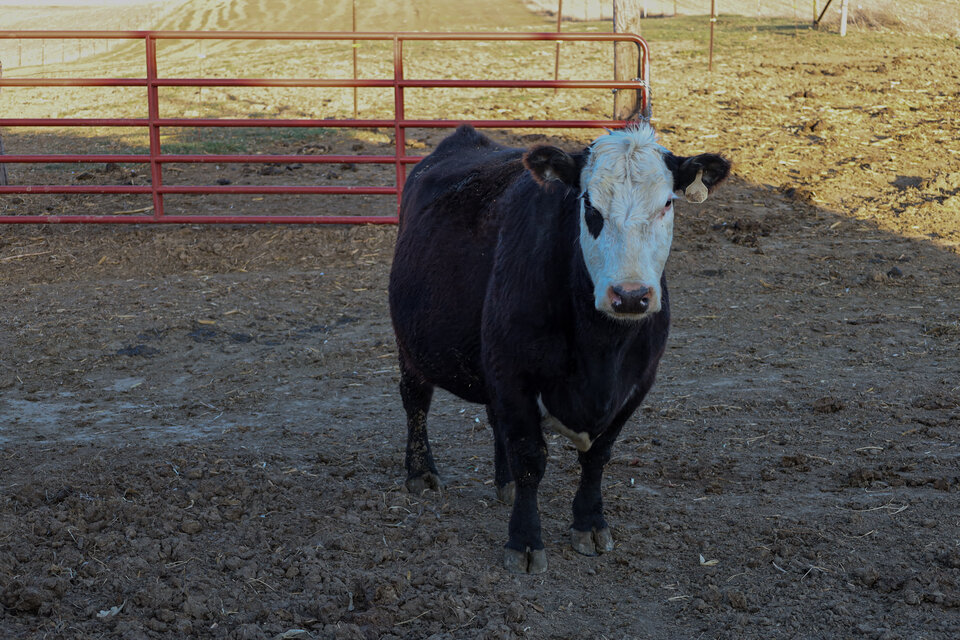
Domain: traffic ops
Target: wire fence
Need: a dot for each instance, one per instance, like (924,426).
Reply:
(597,10)
(39,53)
(940,17)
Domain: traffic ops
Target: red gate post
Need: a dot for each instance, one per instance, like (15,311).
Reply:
(3,167)
(153,116)
(556,57)
(354,46)
(399,133)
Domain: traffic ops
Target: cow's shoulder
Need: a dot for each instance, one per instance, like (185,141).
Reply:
(529,316)
(466,139)
(462,182)
(464,152)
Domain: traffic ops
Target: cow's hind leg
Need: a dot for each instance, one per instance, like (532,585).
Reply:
(502,478)
(416,394)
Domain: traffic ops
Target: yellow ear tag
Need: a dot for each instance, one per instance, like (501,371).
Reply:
(697,191)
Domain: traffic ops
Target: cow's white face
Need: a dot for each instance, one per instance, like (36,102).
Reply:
(626,221)
(626,183)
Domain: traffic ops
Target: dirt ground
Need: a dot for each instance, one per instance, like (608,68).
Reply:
(201,436)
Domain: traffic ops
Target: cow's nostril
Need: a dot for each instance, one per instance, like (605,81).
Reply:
(630,301)
(615,299)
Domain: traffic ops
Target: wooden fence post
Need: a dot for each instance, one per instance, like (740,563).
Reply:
(626,19)
(713,22)
(843,17)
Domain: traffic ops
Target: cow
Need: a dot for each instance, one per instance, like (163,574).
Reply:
(532,282)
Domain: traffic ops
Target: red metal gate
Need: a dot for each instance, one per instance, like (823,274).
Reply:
(156,158)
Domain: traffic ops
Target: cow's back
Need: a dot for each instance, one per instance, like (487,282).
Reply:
(449,224)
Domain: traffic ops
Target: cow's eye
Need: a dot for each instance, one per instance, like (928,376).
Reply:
(592,218)
(667,206)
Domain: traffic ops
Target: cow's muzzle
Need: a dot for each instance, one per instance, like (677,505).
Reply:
(630,299)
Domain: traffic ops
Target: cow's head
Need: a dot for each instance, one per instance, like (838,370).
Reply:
(627,183)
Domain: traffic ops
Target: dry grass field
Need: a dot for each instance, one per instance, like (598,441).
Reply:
(200,433)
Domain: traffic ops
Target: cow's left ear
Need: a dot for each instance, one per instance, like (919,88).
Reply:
(546,164)
(696,176)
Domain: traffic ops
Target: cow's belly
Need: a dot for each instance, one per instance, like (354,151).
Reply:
(445,348)
(456,369)
(436,298)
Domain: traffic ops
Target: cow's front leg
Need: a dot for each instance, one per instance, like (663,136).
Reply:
(590,534)
(526,454)
(524,552)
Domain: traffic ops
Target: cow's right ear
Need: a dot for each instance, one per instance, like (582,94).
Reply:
(546,164)
(698,175)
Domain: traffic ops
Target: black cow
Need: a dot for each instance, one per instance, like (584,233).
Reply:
(532,282)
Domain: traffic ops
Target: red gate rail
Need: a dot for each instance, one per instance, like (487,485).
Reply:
(399,123)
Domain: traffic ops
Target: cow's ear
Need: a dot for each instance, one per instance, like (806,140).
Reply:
(546,164)
(696,176)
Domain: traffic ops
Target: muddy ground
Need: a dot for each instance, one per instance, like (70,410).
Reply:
(200,434)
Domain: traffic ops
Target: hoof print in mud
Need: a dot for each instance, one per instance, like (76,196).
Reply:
(593,542)
(527,561)
(507,493)
(419,484)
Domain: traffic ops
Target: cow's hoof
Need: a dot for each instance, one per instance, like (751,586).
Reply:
(591,543)
(507,493)
(419,484)
(525,561)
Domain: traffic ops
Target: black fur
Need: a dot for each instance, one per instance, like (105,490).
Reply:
(491,300)
(591,217)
